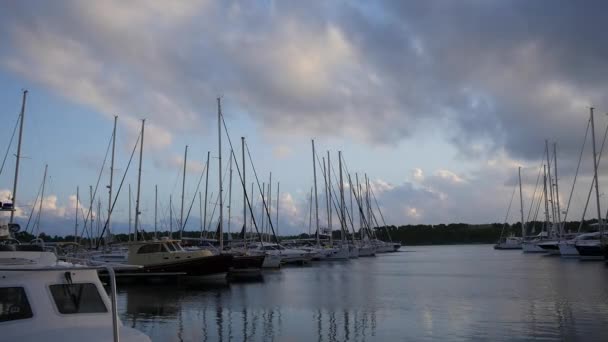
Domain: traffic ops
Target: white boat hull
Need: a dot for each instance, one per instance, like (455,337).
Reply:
(367,250)
(339,254)
(531,247)
(567,250)
(272,261)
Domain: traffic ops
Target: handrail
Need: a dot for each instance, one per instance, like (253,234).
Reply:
(112,276)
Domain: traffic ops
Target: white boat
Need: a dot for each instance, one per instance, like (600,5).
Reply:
(511,242)
(353,251)
(287,255)
(43,299)
(531,245)
(567,248)
(366,250)
(340,252)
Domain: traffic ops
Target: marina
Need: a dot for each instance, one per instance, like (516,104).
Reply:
(303,171)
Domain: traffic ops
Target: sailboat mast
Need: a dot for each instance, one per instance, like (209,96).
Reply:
(310,213)
(91,213)
(170,217)
(130,212)
(42,196)
(111,177)
(597,191)
(155,212)
(550,186)
(277,221)
(206,188)
(77,208)
(559,215)
(521,206)
(269,204)
(219,171)
(244,191)
(181,214)
(342,218)
(545,196)
(229,192)
(21,119)
(137,204)
(314,174)
(331,232)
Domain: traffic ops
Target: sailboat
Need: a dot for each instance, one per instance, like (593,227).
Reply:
(593,249)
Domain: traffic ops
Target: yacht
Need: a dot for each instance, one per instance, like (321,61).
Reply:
(530,245)
(367,249)
(567,248)
(590,248)
(511,242)
(43,299)
(552,246)
(287,255)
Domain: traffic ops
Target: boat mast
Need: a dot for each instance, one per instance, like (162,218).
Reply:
(269,204)
(181,214)
(42,197)
(155,211)
(130,212)
(141,153)
(552,198)
(206,187)
(170,217)
(310,212)
(244,193)
(341,188)
(331,232)
(21,119)
(278,194)
(91,214)
(521,207)
(111,177)
(559,215)
(597,191)
(314,174)
(219,137)
(263,216)
(229,192)
(76,224)
(546,199)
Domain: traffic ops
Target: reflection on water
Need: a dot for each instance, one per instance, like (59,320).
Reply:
(450,293)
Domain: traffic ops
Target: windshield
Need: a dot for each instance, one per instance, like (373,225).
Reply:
(77,298)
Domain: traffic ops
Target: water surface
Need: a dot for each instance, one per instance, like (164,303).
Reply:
(449,293)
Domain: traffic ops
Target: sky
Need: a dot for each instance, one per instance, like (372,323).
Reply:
(438,102)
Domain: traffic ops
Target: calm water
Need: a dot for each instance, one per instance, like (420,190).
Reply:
(450,293)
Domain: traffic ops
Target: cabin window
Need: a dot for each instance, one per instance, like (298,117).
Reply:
(14,304)
(77,298)
(171,247)
(152,248)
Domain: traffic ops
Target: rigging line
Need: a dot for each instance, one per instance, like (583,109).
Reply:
(194,198)
(243,183)
(343,223)
(124,175)
(264,203)
(33,209)
(580,158)
(540,200)
(536,187)
(217,201)
(508,211)
(10,143)
(103,165)
(593,179)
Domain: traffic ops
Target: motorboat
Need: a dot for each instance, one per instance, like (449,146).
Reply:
(288,255)
(44,299)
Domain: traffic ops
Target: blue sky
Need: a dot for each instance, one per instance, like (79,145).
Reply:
(437,102)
